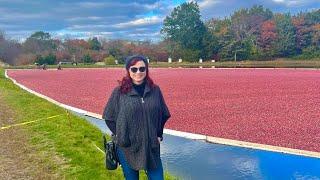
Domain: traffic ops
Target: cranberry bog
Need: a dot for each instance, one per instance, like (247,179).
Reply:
(278,107)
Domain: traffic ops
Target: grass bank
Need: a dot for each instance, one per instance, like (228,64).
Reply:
(278,63)
(65,143)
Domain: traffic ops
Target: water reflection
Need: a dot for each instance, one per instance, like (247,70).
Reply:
(199,160)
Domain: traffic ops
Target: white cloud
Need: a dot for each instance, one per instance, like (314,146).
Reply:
(3,25)
(150,6)
(117,5)
(20,35)
(293,3)
(140,22)
(207,3)
(92,27)
(24,16)
(66,34)
(110,18)
(141,29)
(92,4)
(90,18)
(208,7)
(144,34)
(10,1)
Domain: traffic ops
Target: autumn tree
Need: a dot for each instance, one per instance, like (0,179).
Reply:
(267,38)
(316,35)
(245,25)
(77,48)
(116,49)
(303,32)
(221,30)
(9,50)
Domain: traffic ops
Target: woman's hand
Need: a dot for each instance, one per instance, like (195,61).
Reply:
(159,139)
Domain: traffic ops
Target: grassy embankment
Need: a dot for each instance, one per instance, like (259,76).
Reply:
(278,63)
(64,144)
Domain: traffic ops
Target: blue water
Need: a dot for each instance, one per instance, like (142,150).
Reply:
(197,160)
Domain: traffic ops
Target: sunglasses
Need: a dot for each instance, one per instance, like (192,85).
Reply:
(135,69)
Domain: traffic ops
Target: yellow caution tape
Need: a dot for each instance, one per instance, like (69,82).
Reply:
(98,148)
(28,122)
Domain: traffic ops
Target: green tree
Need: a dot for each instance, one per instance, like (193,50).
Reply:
(87,59)
(38,43)
(118,50)
(221,30)
(110,60)
(313,17)
(185,27)
(49,59)
(172,48)
(40,35)
(285,43)
(210,45)
(94,44)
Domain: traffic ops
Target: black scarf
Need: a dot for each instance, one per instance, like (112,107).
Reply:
(139,88)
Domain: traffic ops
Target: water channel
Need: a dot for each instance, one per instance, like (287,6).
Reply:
(197,160)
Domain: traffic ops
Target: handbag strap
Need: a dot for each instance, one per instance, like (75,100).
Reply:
(113,139)
(104,141)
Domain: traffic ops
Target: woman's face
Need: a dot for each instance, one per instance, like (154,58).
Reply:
(136,75)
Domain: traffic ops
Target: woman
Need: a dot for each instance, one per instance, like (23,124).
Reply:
(136,113)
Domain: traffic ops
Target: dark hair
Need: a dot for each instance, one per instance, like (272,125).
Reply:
(126,82)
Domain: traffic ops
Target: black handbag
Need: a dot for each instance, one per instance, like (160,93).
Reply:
(110,149)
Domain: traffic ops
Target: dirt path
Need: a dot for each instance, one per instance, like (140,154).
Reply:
(18,159)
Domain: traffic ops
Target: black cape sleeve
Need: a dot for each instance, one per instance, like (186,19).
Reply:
(165,115)
(111,110)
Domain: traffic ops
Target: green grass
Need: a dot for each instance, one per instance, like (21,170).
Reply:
(70,138)
(278,63)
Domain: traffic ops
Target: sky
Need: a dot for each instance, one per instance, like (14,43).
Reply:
(117,19)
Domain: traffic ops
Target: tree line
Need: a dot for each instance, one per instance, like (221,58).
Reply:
(254,33)
(41,48)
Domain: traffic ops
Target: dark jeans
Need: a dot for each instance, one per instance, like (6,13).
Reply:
(131,174)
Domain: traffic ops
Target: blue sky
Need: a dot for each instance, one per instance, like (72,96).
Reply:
(124,19)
